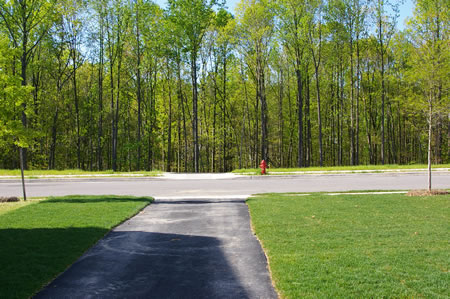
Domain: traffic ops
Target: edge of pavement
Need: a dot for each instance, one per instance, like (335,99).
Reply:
(227,175)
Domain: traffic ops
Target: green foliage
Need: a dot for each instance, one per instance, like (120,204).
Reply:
(429,63)
(12,96)
(193,17)
(354,245)
(81,96)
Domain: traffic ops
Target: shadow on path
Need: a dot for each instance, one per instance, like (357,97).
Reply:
(129,264)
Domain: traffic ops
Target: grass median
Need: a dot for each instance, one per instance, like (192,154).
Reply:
(355,246)
(40,240)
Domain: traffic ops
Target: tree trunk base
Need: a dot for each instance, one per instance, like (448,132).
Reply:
(9,199)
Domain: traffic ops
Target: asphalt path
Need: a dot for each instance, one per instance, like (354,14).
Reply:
(173,249)
(245,185)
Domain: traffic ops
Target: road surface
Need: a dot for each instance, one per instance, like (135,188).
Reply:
(185,186)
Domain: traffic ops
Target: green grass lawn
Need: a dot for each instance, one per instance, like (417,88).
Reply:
(9,206)
(72,172)
(355,246)
(40,240)
(338,168)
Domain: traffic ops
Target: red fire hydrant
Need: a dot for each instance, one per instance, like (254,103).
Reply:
(263,167)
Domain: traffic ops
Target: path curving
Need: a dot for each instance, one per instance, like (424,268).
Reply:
(174,248)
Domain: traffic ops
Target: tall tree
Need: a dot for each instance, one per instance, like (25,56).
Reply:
(61,52)
(385,30)
(315,41)
(293,18)
(194,16)
(72,10)
(100,8)
(225,26)
(256,30)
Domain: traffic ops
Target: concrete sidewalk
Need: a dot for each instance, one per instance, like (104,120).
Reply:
(175,248)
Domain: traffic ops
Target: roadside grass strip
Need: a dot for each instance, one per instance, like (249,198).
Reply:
(40,240)
(74,173)
(10,206)
(355,246)
(344,169)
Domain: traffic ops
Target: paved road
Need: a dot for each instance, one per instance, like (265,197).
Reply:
(173,249)
(162,187)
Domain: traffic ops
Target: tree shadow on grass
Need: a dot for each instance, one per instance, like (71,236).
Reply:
(30,258)
(95,199)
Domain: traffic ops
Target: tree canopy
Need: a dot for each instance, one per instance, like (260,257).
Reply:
(129,85)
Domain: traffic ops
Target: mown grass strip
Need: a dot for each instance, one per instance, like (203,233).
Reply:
(355,246)
(343,168)
(6,207)
(38,241)
(73,172)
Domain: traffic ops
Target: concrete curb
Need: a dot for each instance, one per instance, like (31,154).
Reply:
(420,170)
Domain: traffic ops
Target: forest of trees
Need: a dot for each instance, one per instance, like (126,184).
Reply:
(128,85)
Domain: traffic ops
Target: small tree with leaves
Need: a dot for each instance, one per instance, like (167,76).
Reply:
(12,95)
(429,72)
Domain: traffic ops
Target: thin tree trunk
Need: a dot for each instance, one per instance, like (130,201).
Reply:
(310,158)
(430,119)
(113,115)
(430,126)
(298,75)
(181,103)
(243,128)
(316,58)
(139,95)
(213,155)
(100,100)
(319,117)
(51,162)
(185,136)
(352,104)
(224,107)
(262,98)
(75,95)
(383,91)
(24,64)
(115,140)
(280,119)
(21,172)
(169,133)
(195,109)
